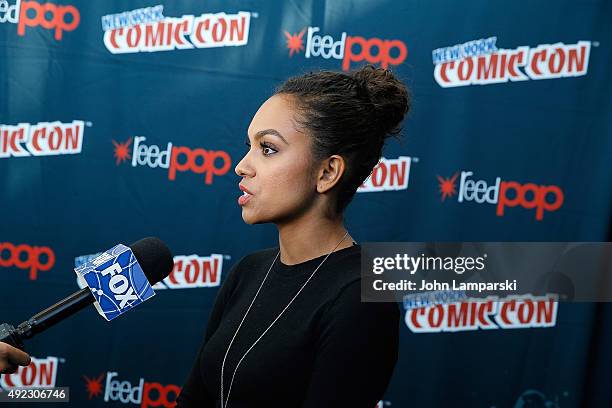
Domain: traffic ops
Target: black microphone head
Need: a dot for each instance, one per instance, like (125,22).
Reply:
(154,258)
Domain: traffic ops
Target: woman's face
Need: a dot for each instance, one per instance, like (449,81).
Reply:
(277,168)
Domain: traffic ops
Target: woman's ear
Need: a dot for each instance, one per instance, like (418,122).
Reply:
(330,172)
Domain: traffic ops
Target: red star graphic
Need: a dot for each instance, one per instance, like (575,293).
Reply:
(94,385)
(295,42)
(447,186)
(122,150)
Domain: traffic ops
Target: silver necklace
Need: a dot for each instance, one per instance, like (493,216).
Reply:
(224,405)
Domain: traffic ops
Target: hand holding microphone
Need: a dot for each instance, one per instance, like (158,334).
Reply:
(122,265)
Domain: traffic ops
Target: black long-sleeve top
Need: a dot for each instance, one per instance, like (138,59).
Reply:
(328,349)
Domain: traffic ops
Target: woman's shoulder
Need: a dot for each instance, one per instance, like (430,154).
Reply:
(348,290)
(250,262)
(347,316)
(339,270)
(346,266)
(255,257)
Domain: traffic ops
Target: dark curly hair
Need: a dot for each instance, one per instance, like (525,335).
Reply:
(351,115)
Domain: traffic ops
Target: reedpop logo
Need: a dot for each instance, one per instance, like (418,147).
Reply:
(144,393)
(49,16)
(174,158)
(33,258)
(348,48)
(502,193)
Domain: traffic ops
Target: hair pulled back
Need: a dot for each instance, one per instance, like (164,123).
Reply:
(351,115)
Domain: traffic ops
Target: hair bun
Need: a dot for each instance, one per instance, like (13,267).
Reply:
(387,94)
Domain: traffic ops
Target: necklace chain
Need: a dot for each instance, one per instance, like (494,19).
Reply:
(224,405)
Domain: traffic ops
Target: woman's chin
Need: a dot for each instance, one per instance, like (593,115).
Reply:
(251,220)
(248,218)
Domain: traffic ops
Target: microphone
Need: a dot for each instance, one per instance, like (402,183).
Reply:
(152,255)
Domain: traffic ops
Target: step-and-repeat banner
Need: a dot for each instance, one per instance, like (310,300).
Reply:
(125,119)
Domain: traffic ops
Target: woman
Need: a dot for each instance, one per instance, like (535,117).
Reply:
(287,328)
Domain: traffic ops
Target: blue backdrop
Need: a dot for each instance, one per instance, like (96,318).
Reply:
(123,119)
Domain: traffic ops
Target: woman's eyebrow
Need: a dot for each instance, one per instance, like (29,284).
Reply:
(273,132)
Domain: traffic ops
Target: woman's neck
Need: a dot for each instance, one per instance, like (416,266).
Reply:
(309,238)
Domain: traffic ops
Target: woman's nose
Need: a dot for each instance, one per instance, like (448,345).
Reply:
(242,168)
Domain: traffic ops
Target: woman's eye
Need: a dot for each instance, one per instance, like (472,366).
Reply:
(269,148)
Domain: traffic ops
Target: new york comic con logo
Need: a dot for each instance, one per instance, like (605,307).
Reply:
(41,373)
(147,29)
(50,16)
(348,48)
(389,175)
(480,62)
(450,311)
(41,139)
(530,196)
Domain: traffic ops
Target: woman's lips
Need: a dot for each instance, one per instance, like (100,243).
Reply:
(244,198)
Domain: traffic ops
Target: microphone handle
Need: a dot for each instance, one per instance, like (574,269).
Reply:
(45,319)
(55,313)
(8,335)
